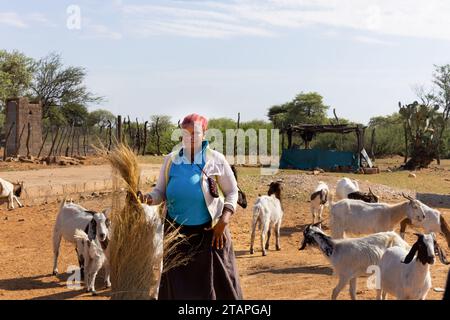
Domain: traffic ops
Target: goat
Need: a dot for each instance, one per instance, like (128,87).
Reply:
(344,187)
(72,217)
(366,197)
(94,258)
(319,198)
(268,213)
(405,276)
(11,192)
(433,222)
(349,189)
(350,258)
(366,218)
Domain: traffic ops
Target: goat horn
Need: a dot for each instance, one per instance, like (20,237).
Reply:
(407,197)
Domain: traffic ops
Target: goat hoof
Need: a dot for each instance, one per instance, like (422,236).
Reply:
(107,285)
(55,272)
(278,248)
(264,254)
(94,293)
(252,251)
(267,247)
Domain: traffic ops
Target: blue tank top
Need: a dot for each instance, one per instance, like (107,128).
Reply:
(184,196)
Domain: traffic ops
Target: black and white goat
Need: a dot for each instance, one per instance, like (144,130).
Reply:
(268,214)
(319,198)
(406,275)
(10,192)
(351,258)
(94,257)
(71,217)
(349,189)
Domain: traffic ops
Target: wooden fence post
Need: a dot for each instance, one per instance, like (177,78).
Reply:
(145,138)
(43,142)
(28,139)
(119,129)
(53,143)
(6,139)
(20,139)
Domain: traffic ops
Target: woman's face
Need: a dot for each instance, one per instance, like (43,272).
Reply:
(193,136)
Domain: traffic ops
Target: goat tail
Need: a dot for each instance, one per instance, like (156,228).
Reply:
(63,203)
(257,211)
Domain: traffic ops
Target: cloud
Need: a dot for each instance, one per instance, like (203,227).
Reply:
(26,20)
(410,18)
(370,40)
(96,31)
(12,19)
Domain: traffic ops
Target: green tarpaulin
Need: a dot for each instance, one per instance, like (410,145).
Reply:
(315,158)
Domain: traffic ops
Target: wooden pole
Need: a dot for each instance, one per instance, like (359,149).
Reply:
(6,140)
(73,141)
(43,142)
(145,138)
(28,139)
(53,142)
(372,145)
(20,139)
(158,137)
(110,135)
(130,134)
(406,143)
(119,129)
(138,137)
(61,141)
(85,130)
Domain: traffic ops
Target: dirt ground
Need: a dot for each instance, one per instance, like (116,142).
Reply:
(26,254)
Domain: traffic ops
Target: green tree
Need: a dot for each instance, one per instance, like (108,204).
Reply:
(100,118)
(57,85)
(441,79)
(304,108)
(16,71)
(75,114)
(161,128)
(422,124)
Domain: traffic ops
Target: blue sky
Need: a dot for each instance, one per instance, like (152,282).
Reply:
(222,57)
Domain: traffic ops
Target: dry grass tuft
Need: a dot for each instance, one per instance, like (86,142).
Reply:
(135,263)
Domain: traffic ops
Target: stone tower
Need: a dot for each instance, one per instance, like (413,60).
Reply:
(20,112)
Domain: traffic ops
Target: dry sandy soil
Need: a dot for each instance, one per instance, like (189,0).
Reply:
(26,251)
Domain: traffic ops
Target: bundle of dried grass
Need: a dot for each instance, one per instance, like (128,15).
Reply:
(135,252)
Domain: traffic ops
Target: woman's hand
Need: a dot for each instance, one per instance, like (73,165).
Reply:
(219,239)
(145,198)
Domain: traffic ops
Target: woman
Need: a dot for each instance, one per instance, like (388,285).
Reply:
(202,216)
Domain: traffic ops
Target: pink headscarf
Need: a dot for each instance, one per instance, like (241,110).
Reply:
(195,118)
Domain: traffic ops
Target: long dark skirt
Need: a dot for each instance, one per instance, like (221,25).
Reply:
(210,273)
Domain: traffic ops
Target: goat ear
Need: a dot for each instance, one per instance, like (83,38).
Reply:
(92,229)
(317,224)
(411,254)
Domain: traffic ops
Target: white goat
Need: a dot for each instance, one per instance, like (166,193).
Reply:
(152,217)
(268,213)
(72,217)
(10,192)
(94,258)
(434,222)
(351,258)
(359,217)
(405,276)
(319,198)
(344,187)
